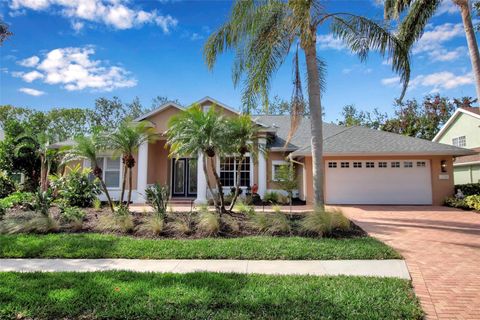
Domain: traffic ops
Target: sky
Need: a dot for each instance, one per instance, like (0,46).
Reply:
(67,53)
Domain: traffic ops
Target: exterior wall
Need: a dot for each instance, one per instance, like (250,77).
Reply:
(160,119)
(467,174)
(464,125)
(273,156)
(159,165)
(441,188)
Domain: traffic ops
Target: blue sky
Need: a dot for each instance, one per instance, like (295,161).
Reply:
(68,53)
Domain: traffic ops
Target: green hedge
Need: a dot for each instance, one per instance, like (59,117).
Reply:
(469,189)
(468,203)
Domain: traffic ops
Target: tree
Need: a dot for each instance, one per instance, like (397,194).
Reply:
(161,100)
(277,106)
(194,132)
(125,141)
(88,148)
(4,32)
(261,33)
(416,20)
(242,134)
(354,117)
(66,123)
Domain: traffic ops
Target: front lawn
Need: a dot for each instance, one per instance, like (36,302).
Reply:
(91,245)
(127,295)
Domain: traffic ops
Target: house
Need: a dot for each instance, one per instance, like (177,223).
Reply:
(463,130)
(362,166)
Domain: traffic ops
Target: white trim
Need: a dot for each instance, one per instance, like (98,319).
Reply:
(466,152)
(466,163)
(159,109)
(217,167)
(277,163)
(87,164)
(207,98)
(451,120)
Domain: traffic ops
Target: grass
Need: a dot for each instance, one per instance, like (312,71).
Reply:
(92,245)
(127,295)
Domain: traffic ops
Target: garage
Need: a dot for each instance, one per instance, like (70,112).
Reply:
(378,182)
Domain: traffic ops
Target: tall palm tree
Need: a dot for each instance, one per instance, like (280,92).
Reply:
(125,141)
(242,135)
(416,19)
(39,144)
(262,34)
(194,132)
(88,148)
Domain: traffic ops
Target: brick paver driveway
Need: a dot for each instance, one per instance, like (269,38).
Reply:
(442,250)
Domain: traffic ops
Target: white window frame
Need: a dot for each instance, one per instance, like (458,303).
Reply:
(277,163)
(408,164)
(345,164)
(383,164)
(460,141)
(218,159)
(87,164)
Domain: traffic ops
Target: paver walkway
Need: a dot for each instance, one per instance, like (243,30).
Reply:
(442,250)
(379,268)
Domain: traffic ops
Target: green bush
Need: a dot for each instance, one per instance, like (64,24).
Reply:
(473,202)
(456,203)
(208,222)
(272,224)
(7,185)
(469,189)
(271,196)
(120,221)
(321,222)
(77,188)
(74,216)
(24,199)
(43,201)
(157,196)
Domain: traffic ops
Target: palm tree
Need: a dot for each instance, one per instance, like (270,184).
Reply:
(88,148)
(262,34)
(415,21)
(242,135)
(40,146)
(125,141)
(194,132)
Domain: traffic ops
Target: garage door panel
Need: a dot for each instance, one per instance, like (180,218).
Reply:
(376,185)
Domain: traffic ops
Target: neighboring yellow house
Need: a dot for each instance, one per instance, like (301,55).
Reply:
(463,130)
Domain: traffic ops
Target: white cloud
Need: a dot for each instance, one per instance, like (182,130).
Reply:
(442,80)
(29,62)
(114,13)
(447,6)
(445,55)
(328,41)
(432,39)
(196,36)
(390,81)
(77,26)
(32,92)
(74,69)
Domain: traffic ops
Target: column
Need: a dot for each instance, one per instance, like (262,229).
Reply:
(262,168)
(201,181)
(142,164)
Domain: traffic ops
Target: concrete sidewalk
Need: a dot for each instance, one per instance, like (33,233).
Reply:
(373,268)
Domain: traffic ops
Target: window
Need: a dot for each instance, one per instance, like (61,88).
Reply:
(370,164)
(382,164)
(332,164)
(276,165)
(110,170)
(395,164)
(408,164)
(421,164)
(228,171)
(357,164)
(345,164)
(459,141)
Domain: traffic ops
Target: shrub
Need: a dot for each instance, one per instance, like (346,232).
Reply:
(43,201)
(469,189)
(7,185)
(208,223)
(74,216)
(456,203)
(23,199)
(153,225)
(29,222)
(271,196)
(120,221)
(157,196)
(321,222)
(473,202)
(77,188)
(268,223)
(244,208)
(97,204)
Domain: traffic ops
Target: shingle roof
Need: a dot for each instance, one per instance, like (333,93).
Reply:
(353,140)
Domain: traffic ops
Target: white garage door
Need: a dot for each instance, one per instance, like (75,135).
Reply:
(378,182)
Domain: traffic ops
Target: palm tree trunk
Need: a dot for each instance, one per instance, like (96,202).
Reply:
(209,185)
(219,186)
(43,171)
(316,122)
(471,40)
(237,183)
(124,182)
(130,180)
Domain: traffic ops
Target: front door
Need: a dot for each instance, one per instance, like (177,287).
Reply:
(184,177)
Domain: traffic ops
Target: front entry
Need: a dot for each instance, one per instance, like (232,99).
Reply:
(184,177)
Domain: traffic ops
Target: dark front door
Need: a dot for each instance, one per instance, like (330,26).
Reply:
(184,177)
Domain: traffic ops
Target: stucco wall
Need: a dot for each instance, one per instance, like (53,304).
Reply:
(464,125)
(440,188)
